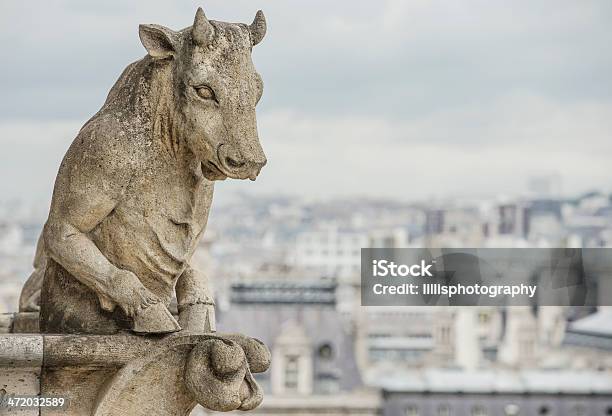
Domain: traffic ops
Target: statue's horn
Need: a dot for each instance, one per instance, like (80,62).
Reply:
(258,28)
(202,30)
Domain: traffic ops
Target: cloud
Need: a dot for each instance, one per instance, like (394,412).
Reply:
(392,58)
(468,151)
(474,151)
(428,96)
(31,155)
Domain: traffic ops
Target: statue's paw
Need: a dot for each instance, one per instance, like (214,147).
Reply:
(218,376)
(155,319)
(218,372)
(257,354)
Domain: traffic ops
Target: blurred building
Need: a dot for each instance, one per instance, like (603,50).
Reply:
(453,227)
(314,369)
(331,252)
(287,271)
(336,252)
(588,341)
(435,392)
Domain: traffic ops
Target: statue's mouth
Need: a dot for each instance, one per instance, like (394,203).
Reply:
(212,172)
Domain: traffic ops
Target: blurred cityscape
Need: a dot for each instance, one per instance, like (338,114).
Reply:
(286,270)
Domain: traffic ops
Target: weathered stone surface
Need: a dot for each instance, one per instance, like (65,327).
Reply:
(21,358)
(130,375)
(133,192)
(26,323)
(131,200)
(21,350)
(133,375)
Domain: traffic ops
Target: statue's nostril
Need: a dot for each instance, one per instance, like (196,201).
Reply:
(233,163)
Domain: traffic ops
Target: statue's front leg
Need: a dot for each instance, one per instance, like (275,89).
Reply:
(195,303)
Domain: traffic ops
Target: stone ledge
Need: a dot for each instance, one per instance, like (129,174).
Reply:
(21,358)
(19,323)
(6,322)
(19,350)
(108,375)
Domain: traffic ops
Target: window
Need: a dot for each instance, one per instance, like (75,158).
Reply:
(445,335)
(484,317)
(545,410)
(579,410)
(490,353)
(444,410)
(412,410)
(479,410)
(326,352)
(511,410)
(291,372)
(327,384)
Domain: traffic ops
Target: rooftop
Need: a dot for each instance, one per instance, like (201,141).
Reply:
(491,381)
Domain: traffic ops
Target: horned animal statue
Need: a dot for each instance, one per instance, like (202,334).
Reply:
(130,203)
(133,192)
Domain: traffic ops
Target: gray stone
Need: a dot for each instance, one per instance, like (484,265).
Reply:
(109,375)
(130,203)
(21,350)
(133,193)
(132,375)
(26,323)
(21,358)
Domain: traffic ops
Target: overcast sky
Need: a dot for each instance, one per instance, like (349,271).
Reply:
(404,98)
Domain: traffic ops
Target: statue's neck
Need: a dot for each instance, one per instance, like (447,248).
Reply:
(143,96)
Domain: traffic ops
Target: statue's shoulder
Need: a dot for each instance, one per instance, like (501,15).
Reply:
(107,146)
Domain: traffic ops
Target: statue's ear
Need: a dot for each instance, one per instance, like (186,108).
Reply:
(159,41)
(258,28)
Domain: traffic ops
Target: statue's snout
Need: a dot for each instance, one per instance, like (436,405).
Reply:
(242,163)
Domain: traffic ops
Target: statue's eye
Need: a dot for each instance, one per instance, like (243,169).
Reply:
(206,92)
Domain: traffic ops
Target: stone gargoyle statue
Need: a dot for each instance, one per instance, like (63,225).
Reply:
(133,192)
(130,203)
